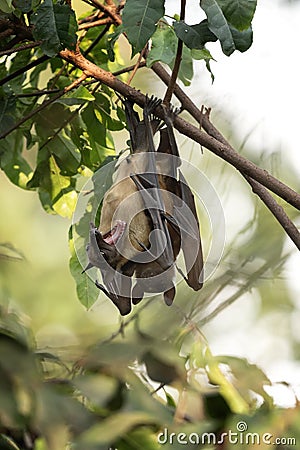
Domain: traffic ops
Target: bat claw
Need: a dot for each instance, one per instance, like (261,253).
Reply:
(151,104)
(170,113)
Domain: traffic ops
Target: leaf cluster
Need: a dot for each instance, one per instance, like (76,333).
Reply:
(54,126)
(125,394)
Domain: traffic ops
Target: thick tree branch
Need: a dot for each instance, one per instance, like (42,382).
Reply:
(218,148)
(239,162)
(277,210)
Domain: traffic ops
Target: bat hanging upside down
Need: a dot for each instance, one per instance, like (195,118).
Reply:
(147,216)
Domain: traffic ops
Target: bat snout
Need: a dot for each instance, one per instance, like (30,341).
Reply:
(112,236)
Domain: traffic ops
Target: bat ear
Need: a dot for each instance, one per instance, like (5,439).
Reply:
(89,266)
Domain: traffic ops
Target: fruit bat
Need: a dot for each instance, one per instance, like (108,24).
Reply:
(147,216)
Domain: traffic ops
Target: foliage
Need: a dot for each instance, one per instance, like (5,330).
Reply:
(71,126)
(105,396)
(57,131)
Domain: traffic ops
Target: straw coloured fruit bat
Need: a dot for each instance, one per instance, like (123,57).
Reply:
(147,216)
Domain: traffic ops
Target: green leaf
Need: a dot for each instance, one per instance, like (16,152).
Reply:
(23,5)
(102,178)
(7,113)
(10,253)
(186,71)
(159,370)
(164,45)
(143,437)
(57,192)
(111,40)
(7,443)
(64,196)
(6,6)
(194,36)
(242,39)
(97,388)
(98,136)
(55,25)
(66,153)
(116,355)
(19,62)
(87,291)
(218,24)
(201,54)
(113,428)
(139,21)
(103,112)
(239,13)
(230,21)
(77,97)
(230,393)
(59,143)
(11,160)
(248,377)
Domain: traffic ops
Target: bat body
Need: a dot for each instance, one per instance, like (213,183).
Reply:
(147,216)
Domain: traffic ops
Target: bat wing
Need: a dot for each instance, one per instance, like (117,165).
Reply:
(191,239)
(190,232)
(114,287)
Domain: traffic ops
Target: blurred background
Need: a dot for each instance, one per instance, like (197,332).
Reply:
(254,101)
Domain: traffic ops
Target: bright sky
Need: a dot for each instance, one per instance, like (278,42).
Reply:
(259,92)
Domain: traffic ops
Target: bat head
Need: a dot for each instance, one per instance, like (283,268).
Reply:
(101,248)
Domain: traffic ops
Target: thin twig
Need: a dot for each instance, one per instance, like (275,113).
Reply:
(124,324)
(244,288)
(24,69)
(44,105)
(174,75)
(96,23)
(136,66)
(67,121)
(20,48)
(277,210)
(129,68)
(89,18)
(38,93)
(109,10)
(97,40)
